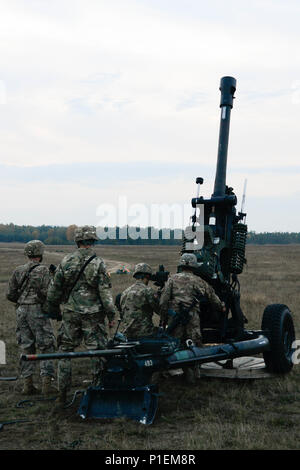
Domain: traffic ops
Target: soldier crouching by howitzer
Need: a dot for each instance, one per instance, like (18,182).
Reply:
(82,286)
(28,289)
(138,303)
(181,296)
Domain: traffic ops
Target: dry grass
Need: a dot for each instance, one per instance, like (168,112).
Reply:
(215,414)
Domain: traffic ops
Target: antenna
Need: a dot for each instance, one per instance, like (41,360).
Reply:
(244,196)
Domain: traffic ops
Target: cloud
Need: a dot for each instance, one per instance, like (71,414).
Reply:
(66,194)
(93,83)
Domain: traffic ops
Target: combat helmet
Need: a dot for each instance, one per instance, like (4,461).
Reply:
(34,248)
(87,232)
(142,268)
(188,260)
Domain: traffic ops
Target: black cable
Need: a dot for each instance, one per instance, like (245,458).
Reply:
(14,422)
(77,392)
(24,403)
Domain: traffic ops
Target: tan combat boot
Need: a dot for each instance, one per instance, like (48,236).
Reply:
(29,388)
(156,378)
(46,385)
(60,401)
(189,376)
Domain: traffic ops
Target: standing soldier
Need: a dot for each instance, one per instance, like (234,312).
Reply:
(183,291)
(28,289)
(81,283)
(138,302)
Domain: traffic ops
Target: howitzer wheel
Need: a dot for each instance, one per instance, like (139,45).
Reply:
(278,322)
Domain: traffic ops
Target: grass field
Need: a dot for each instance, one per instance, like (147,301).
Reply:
(213,414)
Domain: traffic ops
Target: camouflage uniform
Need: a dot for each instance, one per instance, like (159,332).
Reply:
(33,329)
(182,289)
(84,310)
(138,302)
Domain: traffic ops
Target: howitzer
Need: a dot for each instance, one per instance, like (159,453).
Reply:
(222,254)
(126,388)
(221,258)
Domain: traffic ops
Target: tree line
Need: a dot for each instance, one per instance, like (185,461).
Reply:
(274,238)
(56,235)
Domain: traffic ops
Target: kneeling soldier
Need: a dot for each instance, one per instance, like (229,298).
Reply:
(138,302)
(184,291)
(28,289)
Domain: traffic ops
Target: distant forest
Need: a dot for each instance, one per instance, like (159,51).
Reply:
(52,235)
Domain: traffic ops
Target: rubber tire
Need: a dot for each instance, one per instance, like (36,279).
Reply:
(278,320)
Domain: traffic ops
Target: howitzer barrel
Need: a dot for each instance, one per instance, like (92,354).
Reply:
(74,355)
(227,88)
(220,352)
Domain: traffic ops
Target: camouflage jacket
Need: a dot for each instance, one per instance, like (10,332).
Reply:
(27,288)
(138,302)
(182,288)
(92,292)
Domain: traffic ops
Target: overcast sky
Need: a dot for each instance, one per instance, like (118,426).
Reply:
(101,99)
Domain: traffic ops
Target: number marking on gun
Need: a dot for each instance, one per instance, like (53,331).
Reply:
(148,363)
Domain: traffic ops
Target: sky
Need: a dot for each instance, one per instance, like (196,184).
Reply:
(107,99)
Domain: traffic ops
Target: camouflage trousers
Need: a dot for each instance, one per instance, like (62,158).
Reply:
(190,331)
(75,328)
(34,332)
(132,327)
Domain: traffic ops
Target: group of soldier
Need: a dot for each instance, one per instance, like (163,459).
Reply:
(79,295)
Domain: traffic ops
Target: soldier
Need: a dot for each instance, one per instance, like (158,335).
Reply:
(184,290)
(138,302)
(81,283)
(28,289)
